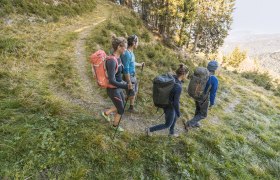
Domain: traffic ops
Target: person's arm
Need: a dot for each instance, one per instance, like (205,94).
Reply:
(176,100)
(111,70)
(139,64)
(213,90)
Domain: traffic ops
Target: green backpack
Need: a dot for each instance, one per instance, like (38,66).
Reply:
(162,86)
(196,88)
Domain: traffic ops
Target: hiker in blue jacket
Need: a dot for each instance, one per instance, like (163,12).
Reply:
(202,107)
(172,112)
(129,71)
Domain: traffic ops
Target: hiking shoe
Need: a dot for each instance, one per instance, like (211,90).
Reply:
(148,132)
(120,129)
(197,125)
(106,117)
(132,110)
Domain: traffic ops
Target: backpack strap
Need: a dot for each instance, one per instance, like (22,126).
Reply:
(210,86)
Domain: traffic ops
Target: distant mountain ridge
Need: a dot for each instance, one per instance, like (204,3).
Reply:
(263,51)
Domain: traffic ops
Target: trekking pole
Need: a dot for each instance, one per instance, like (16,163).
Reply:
(120,119)
(139,85)
(160,116)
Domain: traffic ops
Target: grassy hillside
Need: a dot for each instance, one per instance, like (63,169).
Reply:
(50,10)
(50,127)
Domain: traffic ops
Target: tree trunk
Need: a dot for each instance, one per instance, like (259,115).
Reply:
(144,12)
(182,29)
(197,37)
(189,39)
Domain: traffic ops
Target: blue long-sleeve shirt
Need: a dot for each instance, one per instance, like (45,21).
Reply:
(175,96)
(213,80)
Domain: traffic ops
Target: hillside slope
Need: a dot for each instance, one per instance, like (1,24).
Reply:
(50,105)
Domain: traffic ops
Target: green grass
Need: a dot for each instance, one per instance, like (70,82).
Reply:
(45,135)
(45,8)
(261,79)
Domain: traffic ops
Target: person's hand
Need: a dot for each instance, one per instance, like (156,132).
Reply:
(130,86)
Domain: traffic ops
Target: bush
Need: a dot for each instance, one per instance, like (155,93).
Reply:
(261,79)
(145,36)
(235,58)
(277,90)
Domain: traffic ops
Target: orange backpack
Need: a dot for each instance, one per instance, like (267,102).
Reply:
(98,63)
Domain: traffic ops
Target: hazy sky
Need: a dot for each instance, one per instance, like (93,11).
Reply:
(257,16)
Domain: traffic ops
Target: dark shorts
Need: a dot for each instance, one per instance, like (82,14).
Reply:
(135,90)
(117,97)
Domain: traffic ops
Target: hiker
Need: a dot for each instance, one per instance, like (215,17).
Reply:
(129,63)
(115,93)
(210,89)
(172,111)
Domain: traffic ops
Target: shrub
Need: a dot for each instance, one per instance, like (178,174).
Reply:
(235,58)
(277,90)
(261,79)
(145,36)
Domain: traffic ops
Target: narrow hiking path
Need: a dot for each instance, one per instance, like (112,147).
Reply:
(87,98)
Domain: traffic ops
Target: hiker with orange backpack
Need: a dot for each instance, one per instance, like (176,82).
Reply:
(168,98)
(203,88)
(129,63)
(114,69)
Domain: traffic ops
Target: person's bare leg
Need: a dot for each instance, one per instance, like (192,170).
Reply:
(132,100)
(116,119)
(109,111)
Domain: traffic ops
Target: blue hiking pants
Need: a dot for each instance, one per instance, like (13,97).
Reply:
(170,121)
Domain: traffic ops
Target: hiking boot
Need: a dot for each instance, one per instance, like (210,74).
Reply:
(120,129)
(197,125)
(175,135)
(132,110)
(106,117)
(187,126)
(148,132)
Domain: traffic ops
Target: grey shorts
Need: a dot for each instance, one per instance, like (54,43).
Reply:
(135,90)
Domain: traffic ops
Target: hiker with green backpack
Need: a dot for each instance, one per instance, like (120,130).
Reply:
(114,70)
(129,71)
(166,94)
(203,88)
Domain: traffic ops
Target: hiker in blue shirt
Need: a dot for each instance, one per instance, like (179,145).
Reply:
(172,112)
(129,63)
(202,107)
